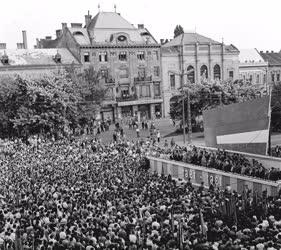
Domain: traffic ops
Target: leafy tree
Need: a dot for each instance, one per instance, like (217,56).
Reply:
(92,89)
(48,103)
(178,31)
(210,95)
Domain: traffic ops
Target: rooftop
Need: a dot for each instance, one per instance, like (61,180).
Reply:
(250,56)
(273,58)
(21,57)
(190,38)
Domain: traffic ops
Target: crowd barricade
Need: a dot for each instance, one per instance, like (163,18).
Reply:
(267,161)
(219,179)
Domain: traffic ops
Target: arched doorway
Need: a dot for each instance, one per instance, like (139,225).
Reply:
(217,72)
(191,74)
(204,72)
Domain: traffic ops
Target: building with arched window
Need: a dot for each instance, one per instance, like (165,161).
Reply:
(201,58)
(127,58)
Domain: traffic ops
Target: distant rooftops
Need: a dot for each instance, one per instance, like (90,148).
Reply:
(252,56)
(32,57)
(273,58)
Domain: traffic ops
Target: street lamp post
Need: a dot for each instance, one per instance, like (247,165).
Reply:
(185,91)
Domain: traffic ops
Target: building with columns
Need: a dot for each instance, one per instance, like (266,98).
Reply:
(252,67)
(126,57)
(200,58)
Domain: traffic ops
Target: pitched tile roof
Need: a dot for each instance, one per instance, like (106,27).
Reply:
(190,38)
(105,24)
(273,58)
(250,55)
(21,57)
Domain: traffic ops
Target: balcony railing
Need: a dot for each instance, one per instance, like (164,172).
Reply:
(143,79)
(126,98)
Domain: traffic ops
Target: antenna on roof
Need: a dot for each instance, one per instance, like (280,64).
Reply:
(195,30)
(222,40)
(99,7)
(115,8)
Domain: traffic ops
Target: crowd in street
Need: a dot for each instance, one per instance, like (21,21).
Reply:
(276,151)
(225,161)
(82,194)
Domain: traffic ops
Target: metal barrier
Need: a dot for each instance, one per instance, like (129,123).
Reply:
(221,179)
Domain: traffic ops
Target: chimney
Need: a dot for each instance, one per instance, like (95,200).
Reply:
(272,51)
(63,25)
(88,19)
(162,41)
(140,26)
(3,46)
(48,38)
(267,52)
(261,51)
(76,25)
(58,33)
(24,39)
(20,46)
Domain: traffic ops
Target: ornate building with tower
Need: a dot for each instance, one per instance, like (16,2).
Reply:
(127,58)
(200,58)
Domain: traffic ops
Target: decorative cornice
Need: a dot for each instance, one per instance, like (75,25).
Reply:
(119,46)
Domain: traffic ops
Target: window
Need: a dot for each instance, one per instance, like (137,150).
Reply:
(217,72)
(103,56)
(123,56)
(251,78)
(231,74)
(272,77)
(204,72)
(125,92)
(278,77)
(145,91)
(122,38)
(258,79)
(172,81)
(87,57)
(141,72)
(264,78)
(156,71)
(157,89)
(140,55)
(190,74)
(155,55)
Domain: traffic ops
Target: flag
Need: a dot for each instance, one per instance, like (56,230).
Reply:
(240,127)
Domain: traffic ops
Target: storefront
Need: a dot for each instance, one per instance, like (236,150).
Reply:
(144,111)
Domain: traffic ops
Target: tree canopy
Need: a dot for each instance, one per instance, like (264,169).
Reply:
(210,95)
(47,103)
(178,31)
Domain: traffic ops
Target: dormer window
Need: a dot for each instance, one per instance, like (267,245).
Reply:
(5,59)
(57,58)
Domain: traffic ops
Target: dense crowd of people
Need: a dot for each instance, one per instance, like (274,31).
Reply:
(82,194)
(228,162)
(276,151)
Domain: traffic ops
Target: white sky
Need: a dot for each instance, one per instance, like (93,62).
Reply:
(244,23)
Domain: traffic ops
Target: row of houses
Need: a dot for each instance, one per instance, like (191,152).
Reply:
(141,74)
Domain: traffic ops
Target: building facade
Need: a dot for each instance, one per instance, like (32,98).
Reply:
(274,65)
(200,59)
(127,59)
(252,67)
